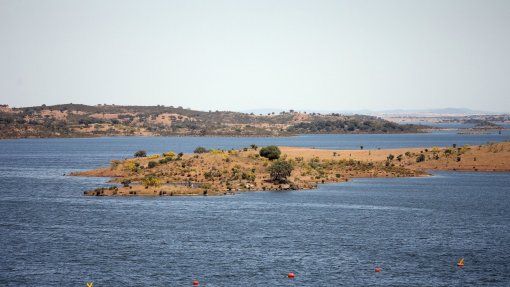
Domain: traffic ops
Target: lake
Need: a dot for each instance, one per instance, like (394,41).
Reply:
(415,229)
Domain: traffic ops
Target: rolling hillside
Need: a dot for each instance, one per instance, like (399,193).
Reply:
(75,120)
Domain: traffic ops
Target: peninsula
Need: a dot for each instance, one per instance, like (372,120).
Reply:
(220,172)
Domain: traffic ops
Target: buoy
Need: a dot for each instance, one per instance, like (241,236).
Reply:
(195,282)
(291,275)
(377,269)
(461,262)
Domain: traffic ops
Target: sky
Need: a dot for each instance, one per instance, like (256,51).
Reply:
(246,55)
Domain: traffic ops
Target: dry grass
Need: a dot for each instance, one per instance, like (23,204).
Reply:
(220,172)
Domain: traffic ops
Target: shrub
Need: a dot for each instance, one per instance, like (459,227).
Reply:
(280,170)
(270,152)
(151,180)
(169,154)
(200,150)
(152,164)
(420,158)
(248,176)
(141,153)
(126,182)
(114,163)
(132,165)
(205,185)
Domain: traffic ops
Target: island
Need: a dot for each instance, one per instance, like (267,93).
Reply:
(223,172)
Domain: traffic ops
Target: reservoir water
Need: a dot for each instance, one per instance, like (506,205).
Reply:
(415,229)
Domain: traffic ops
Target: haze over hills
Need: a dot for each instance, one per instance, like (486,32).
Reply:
(438,111)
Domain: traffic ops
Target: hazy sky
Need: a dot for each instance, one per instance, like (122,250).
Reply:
(239,55)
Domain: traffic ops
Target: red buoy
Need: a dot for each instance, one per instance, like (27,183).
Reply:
(460,263)
(377,269)
(291,275)
(195,282)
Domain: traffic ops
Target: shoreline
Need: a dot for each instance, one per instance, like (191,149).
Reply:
(460,131)
(213,135)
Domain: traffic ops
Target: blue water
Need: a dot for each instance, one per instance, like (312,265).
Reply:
(121,147)
(414,229)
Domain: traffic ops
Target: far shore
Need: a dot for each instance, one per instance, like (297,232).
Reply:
(219,172)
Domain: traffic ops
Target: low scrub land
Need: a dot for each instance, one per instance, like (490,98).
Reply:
(218,172)
(73,120)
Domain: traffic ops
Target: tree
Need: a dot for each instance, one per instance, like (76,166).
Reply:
(141,153)
(280,170)
(200,150)
(270,152)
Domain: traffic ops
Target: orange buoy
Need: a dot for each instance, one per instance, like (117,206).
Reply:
(377,269)
(195,282)
(291,275)
(460,263)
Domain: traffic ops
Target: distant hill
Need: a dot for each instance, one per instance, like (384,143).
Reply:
(443,111)
(76,120)
(440,111)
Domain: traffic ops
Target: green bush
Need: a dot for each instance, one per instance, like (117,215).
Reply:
(141,153)
(152,164)
(151,180)
(271,152)
(201,150)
